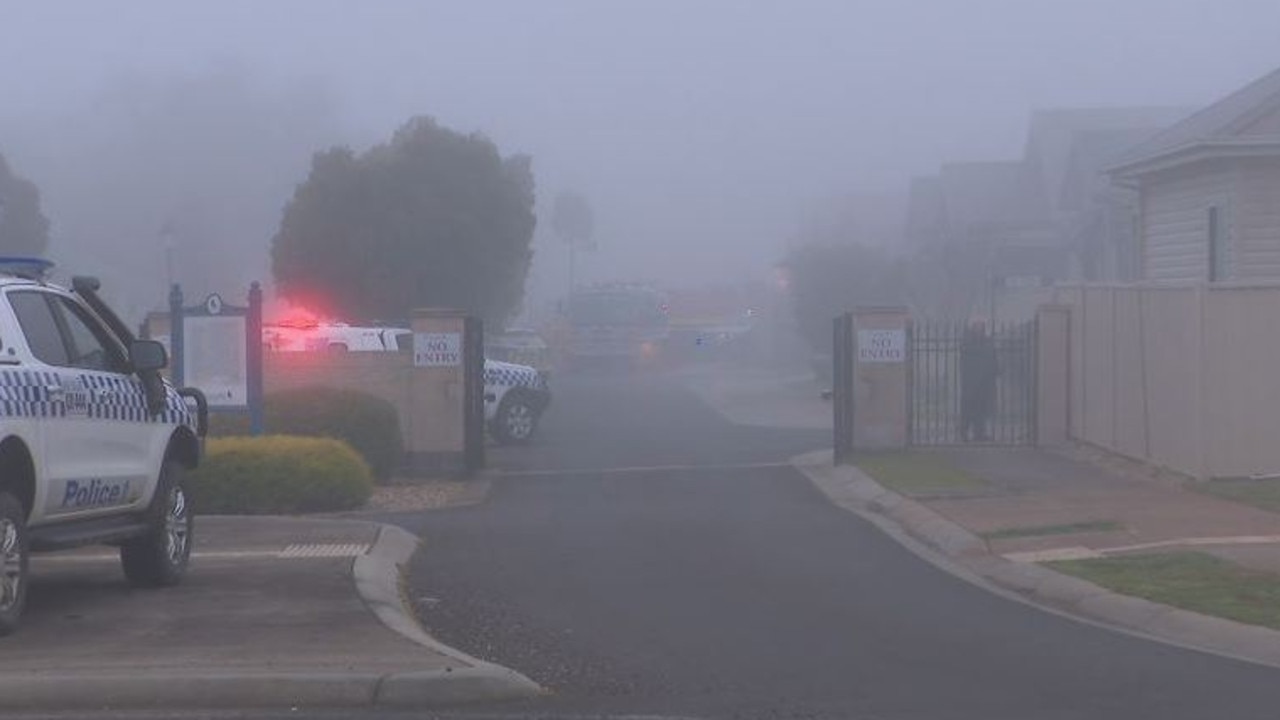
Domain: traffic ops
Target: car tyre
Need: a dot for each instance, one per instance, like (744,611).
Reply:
(515,421)
(159,558)
(15,553)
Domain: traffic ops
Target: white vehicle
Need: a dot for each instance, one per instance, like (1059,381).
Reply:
(515,396)
(94,443)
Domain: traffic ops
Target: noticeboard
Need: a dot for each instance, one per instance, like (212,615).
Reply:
(215,359)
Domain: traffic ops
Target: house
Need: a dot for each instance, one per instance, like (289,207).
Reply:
(957,223)
(1208,191)
(986,233)
(1066,153)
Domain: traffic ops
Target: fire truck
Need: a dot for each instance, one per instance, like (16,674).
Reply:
(616,324)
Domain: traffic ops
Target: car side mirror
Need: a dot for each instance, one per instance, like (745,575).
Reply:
(148,356)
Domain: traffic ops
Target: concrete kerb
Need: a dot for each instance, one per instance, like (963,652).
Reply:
(955,549)
(378,580)
(377,577)
(168,690)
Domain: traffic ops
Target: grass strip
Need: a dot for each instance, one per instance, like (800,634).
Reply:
(1193,581)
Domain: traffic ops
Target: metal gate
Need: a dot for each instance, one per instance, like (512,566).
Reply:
(841,387)
(473,436)
(971,384)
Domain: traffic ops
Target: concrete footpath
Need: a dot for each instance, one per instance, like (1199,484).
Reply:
(1033,488)
(274,612)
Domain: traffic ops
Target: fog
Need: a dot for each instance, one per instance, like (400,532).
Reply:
(703,133)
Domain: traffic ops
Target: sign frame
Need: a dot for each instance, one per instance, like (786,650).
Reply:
(247,372)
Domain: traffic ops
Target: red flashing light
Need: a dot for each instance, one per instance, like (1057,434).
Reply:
(299,320)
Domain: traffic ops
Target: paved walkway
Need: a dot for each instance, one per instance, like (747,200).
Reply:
(244,603)
(274,611)
(1032,488)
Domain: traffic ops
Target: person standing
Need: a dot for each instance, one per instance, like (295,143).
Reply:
(977,383)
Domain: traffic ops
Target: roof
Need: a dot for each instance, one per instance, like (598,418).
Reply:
(1053,132)
(1091,153)
(1247,119)
(13,280)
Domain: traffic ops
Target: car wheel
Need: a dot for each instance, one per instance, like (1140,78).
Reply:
(14,558)
(515,421)
(159,558)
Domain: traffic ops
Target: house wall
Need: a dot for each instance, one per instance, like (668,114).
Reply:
(1175,215)
(1174,220)
(1257,220)
(1181,377)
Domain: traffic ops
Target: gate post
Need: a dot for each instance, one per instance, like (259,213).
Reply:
(1053,375)
(841,387)
(879,378)
(437,442)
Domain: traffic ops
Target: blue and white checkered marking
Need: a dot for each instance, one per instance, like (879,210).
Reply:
(500,374)
(29,394)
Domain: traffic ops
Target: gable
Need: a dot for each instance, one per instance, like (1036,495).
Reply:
(1252,107)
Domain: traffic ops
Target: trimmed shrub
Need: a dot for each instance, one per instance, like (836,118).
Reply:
(279,474)
(366,422)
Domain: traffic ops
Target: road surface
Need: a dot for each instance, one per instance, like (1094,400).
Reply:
(645,556)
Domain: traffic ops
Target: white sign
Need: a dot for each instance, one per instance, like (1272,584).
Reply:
(214,358)
(882,346)
(437,349)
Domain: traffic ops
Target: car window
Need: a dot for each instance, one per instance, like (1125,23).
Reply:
(88,345)
(36,318)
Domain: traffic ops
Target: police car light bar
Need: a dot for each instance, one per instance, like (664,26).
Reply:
(30,268)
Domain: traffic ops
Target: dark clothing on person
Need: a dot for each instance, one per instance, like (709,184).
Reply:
(977,384)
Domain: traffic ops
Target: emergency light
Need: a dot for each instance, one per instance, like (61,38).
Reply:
(31,268)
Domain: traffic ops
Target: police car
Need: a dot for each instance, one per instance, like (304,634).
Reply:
(94,442)
(515,396)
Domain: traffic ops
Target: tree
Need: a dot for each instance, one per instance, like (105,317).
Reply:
(829,279)
(24,230)
(432,218)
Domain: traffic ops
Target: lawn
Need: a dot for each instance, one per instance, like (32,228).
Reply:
(1263,494)
(919,474)
(1064,529)
(1189,580)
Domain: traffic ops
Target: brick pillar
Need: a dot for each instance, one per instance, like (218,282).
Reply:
(436,442)
(1053,372)
(880,356)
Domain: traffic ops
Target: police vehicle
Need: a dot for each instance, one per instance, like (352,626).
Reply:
(515,396)
(94,442)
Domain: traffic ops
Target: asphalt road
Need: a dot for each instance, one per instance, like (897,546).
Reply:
(647,557)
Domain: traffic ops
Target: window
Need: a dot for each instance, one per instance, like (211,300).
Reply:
(1219,245)
(89,346)
(39,326)
(61,333)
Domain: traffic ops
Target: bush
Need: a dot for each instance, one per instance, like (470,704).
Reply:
(366,422)
(279,474)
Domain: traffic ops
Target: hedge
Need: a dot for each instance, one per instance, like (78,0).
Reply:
(279,474)
(366,422)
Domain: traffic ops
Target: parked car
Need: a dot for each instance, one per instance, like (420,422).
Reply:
(522,346)
(94,444)
(515,395)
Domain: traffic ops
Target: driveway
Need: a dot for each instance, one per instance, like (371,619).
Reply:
(647,556)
